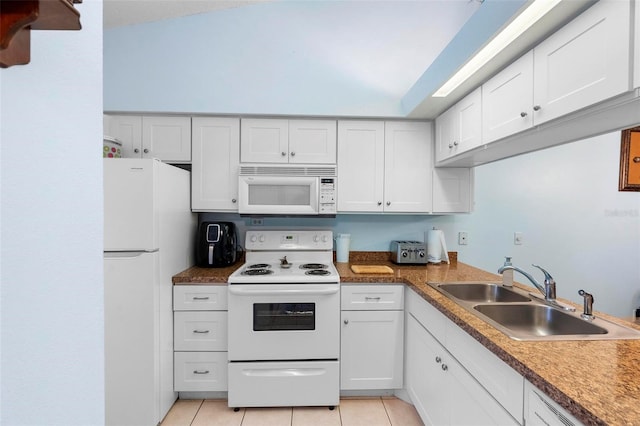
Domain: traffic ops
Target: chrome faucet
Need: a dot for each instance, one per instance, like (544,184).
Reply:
(549,288)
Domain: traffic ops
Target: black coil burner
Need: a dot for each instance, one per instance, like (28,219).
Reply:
(260,271)
(317,272)
(314,266)
(259,266)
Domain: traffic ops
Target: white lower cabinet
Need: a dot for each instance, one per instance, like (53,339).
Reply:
(372,337)
(200,338)
(445,378)
(540,410)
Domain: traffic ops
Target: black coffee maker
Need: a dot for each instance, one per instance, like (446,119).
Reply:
(216,244)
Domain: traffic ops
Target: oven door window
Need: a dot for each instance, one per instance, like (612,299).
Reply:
(284,316)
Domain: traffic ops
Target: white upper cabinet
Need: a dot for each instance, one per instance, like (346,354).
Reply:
(507,100)
(452,190)
(162,137)
(384,166)
(459,129)
(636,43)
(288,141)
(215,165)
(360,166)
(583,63)
(407,166)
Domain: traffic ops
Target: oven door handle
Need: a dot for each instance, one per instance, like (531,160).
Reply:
(289,292)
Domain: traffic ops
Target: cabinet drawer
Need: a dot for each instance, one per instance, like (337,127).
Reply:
(200,331)
(200,371)
(372,297)
(200,298)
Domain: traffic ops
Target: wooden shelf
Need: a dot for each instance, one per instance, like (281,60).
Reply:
(19,17)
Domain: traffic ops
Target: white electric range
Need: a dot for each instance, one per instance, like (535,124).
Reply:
(284,321)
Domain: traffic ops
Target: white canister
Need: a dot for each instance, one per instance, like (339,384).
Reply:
(342,247)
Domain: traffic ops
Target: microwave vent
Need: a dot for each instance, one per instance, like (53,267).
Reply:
(287,171)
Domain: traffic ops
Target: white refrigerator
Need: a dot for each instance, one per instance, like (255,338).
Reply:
(149,231)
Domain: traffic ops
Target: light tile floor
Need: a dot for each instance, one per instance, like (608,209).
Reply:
(385,411)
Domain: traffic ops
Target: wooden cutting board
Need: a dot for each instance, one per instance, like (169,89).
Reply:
(371,269)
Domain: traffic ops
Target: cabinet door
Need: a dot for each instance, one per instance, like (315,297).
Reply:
(426,383)
(452,190)
(371,350)
(470,403)
(636,43)
(360,166)
(215,164)
(128,130)
(507,100)
(264,141)
(469,121)
(446,134)
(407,167)
(583,63)
(167,138)
(312,141)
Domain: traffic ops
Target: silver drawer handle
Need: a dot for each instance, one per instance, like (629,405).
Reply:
(200,297)
(377,299)
(200,371)
(201,331)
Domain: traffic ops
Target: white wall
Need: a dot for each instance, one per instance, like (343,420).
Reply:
(575,222)
(51,292)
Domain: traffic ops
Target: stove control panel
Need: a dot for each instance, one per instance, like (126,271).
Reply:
(289,240)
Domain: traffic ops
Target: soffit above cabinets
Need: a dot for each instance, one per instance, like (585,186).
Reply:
(488,21)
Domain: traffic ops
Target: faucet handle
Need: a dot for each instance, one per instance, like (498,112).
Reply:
(547,276)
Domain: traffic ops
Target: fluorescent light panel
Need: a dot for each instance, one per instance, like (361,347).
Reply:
(519,25)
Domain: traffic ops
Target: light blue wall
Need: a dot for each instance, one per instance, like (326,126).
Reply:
(51,292)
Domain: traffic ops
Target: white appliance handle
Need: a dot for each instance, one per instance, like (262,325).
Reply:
(290,292)
(284,372)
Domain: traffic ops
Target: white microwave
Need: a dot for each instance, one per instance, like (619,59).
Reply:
(287,191)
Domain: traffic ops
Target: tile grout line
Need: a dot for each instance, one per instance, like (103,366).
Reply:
(196,413)
(386,411)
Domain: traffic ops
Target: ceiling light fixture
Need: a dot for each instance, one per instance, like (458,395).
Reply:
(519,25)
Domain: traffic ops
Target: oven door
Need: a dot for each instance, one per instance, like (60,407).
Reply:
(293,195)
(284,322)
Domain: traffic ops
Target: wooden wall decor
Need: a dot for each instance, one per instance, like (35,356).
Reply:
(19,17)
(630,160)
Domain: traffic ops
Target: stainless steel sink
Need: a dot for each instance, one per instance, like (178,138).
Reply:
(538,320)
(522,316)
(482,292)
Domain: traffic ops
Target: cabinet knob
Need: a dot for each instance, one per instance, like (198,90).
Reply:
(346,321)
(233,200)
(284,154)
(388,203)
(293,153)
(455,143)
(146,151)
(444,367)
(379,203)
(450,145)
(136,150)
(636,159)
(438,359)
(523,114)
(537,107)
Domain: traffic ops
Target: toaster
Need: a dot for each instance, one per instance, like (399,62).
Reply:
(409,252)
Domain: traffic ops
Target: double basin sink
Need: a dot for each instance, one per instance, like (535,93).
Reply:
(523,316)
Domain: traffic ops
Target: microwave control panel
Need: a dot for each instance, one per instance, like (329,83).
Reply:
(327,196)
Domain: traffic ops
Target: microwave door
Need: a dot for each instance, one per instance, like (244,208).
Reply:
(278,195)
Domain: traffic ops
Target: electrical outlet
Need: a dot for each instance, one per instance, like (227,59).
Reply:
(463,238)
(518,238)
(256,222)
